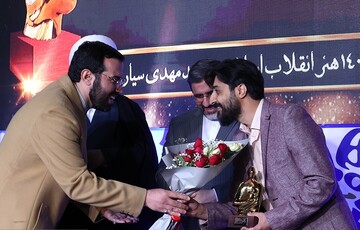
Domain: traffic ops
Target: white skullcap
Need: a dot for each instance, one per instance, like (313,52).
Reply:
(91,38)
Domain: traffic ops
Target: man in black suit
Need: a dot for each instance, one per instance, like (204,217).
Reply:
(202,122)
(124,138)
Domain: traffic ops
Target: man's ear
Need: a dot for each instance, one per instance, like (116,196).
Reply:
(240,90)
(87,77)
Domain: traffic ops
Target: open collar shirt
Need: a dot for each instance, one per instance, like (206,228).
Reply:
(255,142)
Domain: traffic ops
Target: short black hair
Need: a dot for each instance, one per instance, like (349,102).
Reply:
(234,72)
(201,69)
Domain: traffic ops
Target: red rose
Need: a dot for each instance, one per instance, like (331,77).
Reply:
(187,158)
(198,150)
(198,143)
(215,159)
(223,148)
(189,155)
(201,162)
(189,152)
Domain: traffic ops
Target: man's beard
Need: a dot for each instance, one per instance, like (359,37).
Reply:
(229,112)
(98,97)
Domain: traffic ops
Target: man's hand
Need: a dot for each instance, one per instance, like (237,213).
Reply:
(205,196)
(165,201)
(197,210)
(263,223)
(119,218)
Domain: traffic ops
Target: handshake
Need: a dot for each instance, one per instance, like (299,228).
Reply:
(159,200)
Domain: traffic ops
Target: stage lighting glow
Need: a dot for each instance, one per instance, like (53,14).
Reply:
(31,86)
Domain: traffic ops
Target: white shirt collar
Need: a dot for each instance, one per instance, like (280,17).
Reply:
(256,120)
(255,124)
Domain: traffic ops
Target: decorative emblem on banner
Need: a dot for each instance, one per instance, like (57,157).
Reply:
(348,159)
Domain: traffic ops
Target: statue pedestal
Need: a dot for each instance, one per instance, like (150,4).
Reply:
(238,221)
(44,61)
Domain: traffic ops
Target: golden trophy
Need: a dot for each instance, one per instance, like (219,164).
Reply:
(247,199)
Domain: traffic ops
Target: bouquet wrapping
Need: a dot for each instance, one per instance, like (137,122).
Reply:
(191,166)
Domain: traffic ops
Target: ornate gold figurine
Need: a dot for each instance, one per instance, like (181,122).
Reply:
(248,195)
(44,18)
(247,199)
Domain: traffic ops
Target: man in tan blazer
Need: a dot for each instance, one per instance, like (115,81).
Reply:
(43,158)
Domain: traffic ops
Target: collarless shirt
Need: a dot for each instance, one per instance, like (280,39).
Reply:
(210,129)
(90,114)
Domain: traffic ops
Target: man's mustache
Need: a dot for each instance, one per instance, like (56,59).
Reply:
(213,105)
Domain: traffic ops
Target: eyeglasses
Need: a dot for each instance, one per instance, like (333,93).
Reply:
(116,80)
(201,96)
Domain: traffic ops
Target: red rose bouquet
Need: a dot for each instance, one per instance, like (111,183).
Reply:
(204,155)
(191,166)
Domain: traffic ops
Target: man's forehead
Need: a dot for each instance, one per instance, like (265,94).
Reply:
(200,87)
(217,82)
(113,65)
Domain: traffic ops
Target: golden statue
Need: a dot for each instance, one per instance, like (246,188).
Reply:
(44,18)
(248,195)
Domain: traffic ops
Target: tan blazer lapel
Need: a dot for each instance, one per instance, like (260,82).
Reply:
(71,91)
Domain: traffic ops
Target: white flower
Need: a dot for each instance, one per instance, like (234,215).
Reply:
(235,147)
(206,150)
(214,151)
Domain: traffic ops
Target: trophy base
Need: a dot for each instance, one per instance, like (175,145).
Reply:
(238,221)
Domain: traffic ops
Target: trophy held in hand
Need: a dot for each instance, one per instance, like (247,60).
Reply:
(247,199)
